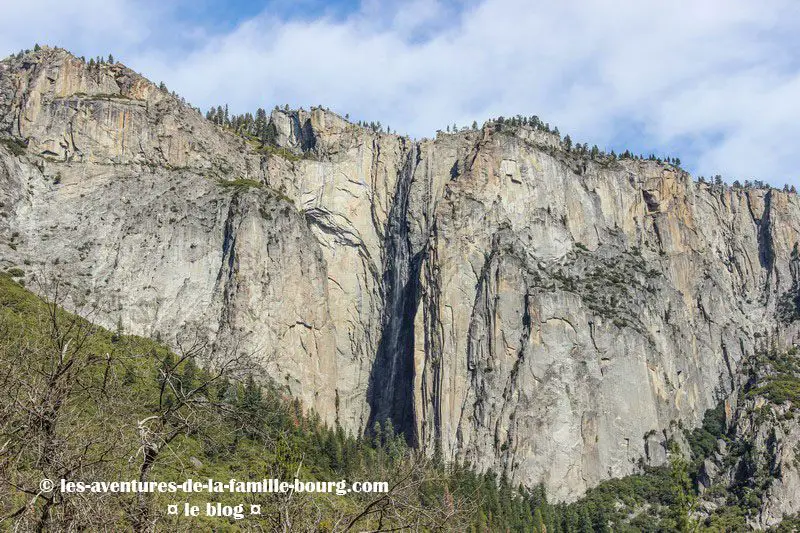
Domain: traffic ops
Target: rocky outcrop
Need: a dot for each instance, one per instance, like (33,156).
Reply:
(774,461)
(501,299)
(566,315)
(756,463)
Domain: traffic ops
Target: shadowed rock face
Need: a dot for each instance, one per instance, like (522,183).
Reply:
(500,299)
(392,375)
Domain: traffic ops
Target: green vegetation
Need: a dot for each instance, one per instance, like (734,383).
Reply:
(253,127)
(280,152)
(101,96)
(256,129)
(244,184)
(665,498)
(703,440)
(15,272)
(657,500)
(594,153)
(776,376)
(606,283)
(577,149)
(241,183)
(16,146)
(789,525)
(781,389)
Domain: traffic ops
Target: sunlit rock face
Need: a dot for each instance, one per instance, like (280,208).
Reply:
(502,300)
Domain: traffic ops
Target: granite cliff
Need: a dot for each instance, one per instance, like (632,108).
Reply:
(502,299)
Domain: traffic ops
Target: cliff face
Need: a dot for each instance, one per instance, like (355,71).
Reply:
(567,313)
(755,463)
(500,299)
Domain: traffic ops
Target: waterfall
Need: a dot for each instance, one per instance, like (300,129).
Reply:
(391,382)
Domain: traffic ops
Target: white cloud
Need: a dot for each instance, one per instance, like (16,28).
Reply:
(714,80)
(89,27)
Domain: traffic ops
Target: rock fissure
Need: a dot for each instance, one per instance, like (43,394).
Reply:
(392,374)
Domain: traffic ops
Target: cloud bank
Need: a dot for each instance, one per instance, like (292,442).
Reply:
(714,82)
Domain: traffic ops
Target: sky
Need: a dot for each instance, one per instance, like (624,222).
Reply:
(714,82)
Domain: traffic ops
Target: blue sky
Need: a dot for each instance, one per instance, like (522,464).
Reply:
(715,82)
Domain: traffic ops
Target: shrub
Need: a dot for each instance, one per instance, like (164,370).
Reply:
(15,146)
(15,272)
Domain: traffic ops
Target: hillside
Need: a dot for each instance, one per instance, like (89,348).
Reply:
(68,385)
(86,404)
(554,315)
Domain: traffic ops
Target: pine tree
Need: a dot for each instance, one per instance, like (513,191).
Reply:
(377,435)
(567,143)
(585,522)
(251,396)
(391,442)
(110,59)
(682,490)
(388,432)
(601,522)
(332,449)
(188,375)
(538,521)
(261,124)
(570,521)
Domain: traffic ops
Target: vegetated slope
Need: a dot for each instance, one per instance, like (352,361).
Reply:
(87,404)
(503,297)
(736,472)
(83,403)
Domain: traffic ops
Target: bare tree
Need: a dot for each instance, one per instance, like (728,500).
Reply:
(63,393)
(184,405)
(45,366)
(401,508)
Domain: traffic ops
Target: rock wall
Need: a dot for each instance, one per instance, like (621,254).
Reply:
(755,464)
(503,300)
